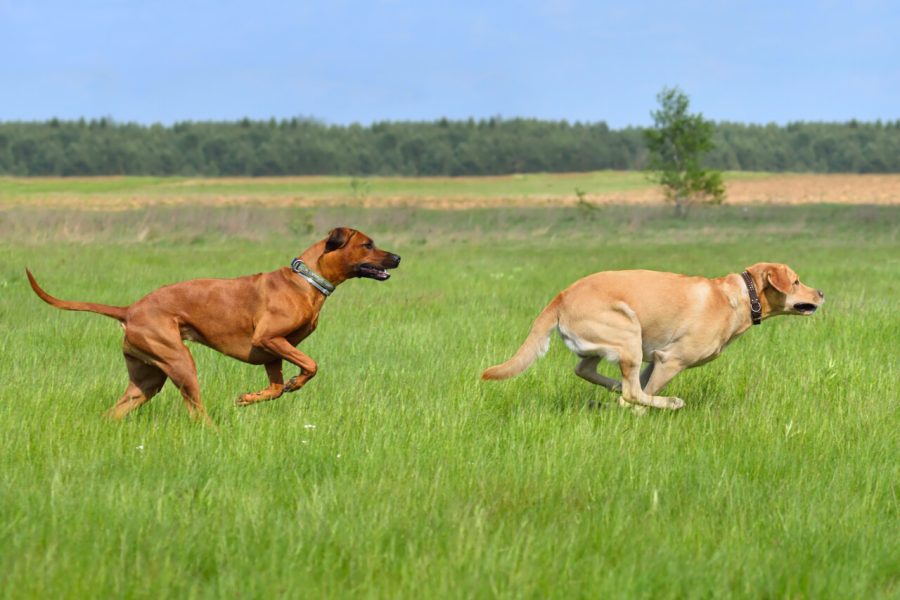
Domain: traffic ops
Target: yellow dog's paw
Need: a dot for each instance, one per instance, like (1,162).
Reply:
(637,409)
(675,403)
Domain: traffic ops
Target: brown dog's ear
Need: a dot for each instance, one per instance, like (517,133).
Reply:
(338,238)
(779,278)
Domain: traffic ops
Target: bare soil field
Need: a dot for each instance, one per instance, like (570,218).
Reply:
(783,189)
(816,189)
(768,189)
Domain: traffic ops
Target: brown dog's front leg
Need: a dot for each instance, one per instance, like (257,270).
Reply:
(275,389)
(283,348)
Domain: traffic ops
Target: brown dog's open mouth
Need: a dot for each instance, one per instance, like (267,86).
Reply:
(805,308)
(373,272)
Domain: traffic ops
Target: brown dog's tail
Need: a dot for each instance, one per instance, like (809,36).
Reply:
(116,312)
(534,347)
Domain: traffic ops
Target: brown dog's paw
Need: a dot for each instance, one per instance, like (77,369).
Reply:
(293,384)
(247,399)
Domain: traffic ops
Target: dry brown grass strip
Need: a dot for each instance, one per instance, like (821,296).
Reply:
(765,189)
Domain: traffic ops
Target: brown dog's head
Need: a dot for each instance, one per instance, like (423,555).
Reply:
(782,293)
(350,253)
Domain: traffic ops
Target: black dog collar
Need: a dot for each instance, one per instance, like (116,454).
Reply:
(755,306)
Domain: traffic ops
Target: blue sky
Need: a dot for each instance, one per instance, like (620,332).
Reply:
(354,61)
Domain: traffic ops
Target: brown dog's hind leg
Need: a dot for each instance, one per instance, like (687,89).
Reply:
(183,373)
(145,381)
(175,360)
(275,389)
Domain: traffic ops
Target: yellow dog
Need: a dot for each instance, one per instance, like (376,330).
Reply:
(672,321)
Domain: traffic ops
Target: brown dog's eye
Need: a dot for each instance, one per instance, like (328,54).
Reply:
(368,245)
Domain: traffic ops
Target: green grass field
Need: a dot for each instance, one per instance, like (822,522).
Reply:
(397,473)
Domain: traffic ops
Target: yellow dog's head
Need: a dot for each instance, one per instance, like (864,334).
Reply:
(781,292)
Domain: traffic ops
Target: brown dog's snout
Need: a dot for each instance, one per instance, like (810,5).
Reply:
(392,261)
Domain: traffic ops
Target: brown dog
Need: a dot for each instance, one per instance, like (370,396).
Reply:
(672,321)
(258,319)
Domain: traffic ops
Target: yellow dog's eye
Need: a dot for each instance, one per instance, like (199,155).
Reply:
(796,282)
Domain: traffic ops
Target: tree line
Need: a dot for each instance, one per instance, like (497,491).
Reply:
(444,147)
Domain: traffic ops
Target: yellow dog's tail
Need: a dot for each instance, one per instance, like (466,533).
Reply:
(116,312)
(534,347)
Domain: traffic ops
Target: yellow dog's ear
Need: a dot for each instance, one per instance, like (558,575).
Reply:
(779,277)
(338,238)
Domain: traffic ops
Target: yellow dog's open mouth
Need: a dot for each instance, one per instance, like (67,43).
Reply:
(805,308)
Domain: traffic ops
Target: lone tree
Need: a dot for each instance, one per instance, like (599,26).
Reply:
(677,143)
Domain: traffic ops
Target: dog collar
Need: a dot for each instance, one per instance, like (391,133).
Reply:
(755,306)
(317,281)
